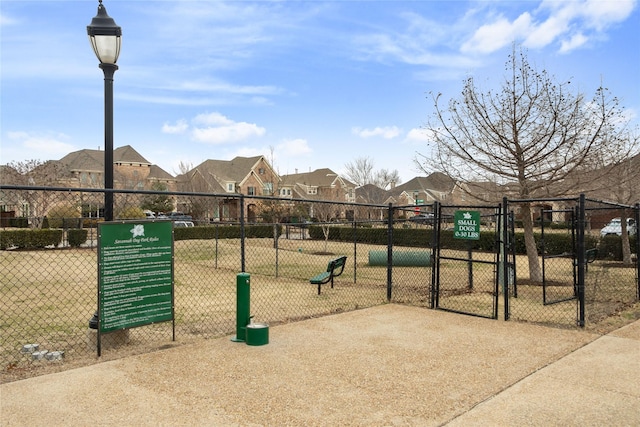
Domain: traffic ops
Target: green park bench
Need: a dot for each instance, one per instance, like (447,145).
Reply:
(334,269)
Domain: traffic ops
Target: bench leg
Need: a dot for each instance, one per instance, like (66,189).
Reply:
(331,282)
(319,285)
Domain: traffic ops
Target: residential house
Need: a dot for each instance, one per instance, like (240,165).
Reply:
(421,191)
(131,170)
(85,169)
(251,176)
(321,185)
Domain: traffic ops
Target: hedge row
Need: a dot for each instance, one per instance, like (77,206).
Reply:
(76,237)
(609,247)
(30,239)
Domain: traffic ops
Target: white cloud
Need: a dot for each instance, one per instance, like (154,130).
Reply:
(212,119)
(294,147)
(600,14)
(418,136)
(49,145)
(218,129)
(388,132)
(181,126)
(223,87)
(422,41)
(546,32)
(6,20)
(491,37)
(570,23)
(576,41)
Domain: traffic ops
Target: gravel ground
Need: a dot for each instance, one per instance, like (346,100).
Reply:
(390,365)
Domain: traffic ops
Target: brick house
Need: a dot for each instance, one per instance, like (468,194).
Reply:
(320,184)
(251,176)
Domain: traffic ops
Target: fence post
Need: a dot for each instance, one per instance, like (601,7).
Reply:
(580,258)
(389,250)
(637,215)
(504,226)
(435,252)
(242,234)
(355,251)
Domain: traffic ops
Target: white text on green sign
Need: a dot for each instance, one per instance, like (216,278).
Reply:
(466,225)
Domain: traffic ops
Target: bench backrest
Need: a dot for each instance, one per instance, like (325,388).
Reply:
(336,264)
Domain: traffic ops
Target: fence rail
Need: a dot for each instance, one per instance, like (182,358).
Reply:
(49,281)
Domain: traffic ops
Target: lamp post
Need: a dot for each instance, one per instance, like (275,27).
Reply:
(105,38)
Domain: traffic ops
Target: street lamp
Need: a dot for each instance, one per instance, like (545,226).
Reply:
(105,38)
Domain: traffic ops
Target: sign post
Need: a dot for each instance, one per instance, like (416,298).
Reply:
(135,275)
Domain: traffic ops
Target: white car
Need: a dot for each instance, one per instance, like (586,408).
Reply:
(614,228)
(183,223)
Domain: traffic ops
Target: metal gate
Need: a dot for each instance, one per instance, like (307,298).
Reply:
(467,259)
(556,287)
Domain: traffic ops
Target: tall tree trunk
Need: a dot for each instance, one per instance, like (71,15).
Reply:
(535,272)
(275,235)
(325,231)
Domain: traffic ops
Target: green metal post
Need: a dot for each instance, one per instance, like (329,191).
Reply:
(243,303)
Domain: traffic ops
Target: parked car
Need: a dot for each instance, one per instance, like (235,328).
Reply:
(179,216)
(614,228)
(149,214)
(422,218)
(296,221)
(183,223)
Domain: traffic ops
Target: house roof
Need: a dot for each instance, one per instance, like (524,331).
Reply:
(158,173)
(127,154)
(234,170)
(93,160)
(324,177)
(84,160)
(9,175)
(215,173)
(436,182)
(370,193)
(199,179)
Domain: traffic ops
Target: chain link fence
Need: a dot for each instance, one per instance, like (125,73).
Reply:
(401,254)
(585,275)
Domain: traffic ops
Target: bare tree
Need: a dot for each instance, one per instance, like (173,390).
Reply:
(385,178)
(325,211)
(36,173)
(183,168)
(618,181)
(533,134)
(362,172)
(273,210)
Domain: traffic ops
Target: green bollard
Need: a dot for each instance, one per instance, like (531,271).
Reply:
(242,306)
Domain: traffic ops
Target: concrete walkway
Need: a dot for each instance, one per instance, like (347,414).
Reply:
(596,385)
(390,365)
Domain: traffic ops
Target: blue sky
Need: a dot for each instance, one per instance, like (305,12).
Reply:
(308,84)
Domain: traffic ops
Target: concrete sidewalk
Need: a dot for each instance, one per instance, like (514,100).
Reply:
(596,385)
(383,366)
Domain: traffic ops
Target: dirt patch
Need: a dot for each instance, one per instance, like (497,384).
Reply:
(617,265)
(621,318)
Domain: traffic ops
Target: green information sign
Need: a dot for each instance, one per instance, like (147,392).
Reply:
(466,225)
(135,274)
